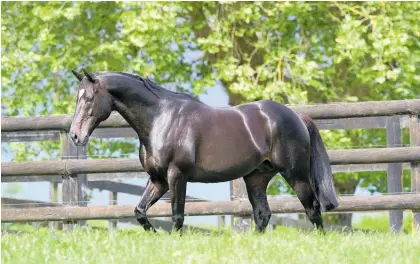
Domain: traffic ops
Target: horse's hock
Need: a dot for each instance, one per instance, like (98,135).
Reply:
(77,172)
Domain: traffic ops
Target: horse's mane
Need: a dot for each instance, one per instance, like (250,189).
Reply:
(153,86)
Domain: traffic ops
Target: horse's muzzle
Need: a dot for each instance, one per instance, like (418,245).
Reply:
(77,140)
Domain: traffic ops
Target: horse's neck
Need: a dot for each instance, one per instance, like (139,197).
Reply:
(140,106)
(137,107)
(136,119)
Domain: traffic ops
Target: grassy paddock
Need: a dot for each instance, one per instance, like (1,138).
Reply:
(284,245)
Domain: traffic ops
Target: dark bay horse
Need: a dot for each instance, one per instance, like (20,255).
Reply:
(184,140)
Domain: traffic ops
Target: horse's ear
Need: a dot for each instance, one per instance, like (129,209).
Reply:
(78,75)
(91,78)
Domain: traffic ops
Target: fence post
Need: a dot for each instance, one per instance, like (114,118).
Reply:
(112,224)
(74,186)
(82,183)
(238,191)
(54,199)
(394,172)
(415,166)
(221,222)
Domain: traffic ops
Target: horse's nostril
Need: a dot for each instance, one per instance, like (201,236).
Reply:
(73,137)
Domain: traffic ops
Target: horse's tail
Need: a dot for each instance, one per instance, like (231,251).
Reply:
(321,172)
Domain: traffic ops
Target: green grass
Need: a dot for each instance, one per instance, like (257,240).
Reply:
(284,245)
(381,223)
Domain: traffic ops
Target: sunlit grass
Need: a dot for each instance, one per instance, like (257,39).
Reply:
(283,245)
(381,223)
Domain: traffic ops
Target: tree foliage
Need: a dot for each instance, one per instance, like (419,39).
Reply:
(294,53)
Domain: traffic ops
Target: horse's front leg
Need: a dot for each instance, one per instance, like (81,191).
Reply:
(152,193)
(178,189)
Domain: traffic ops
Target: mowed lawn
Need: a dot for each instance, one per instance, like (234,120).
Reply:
(284,245)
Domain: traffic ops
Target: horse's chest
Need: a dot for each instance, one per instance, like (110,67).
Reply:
(160,152)
(170,138)
(153,164)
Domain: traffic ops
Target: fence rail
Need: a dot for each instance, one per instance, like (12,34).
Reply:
(115,177)
(374,122)
(237,207)
(325,111)
(69,167)
(360,109)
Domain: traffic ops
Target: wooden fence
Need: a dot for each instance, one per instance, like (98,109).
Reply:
(239,207)
(389,115)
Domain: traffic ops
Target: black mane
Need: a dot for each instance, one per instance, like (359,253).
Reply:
(153,86)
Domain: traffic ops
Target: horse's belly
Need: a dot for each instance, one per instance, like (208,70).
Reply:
(217,176)
(225,165)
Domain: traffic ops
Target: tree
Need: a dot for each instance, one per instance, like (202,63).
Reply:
(294,53)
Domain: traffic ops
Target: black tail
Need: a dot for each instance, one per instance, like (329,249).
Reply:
(320,168)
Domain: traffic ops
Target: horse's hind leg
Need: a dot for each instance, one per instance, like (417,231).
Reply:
(299,181)
(296,171)
(152,193)
(309,201)
(256,185)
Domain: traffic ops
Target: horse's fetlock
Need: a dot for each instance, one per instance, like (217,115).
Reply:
(178,218)
(178,221)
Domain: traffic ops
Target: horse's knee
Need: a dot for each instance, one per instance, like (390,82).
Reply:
(139,213)
(178,221)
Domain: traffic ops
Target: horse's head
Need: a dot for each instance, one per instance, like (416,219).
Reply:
(93,105)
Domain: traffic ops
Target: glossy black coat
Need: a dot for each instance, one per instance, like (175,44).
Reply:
(184,140)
